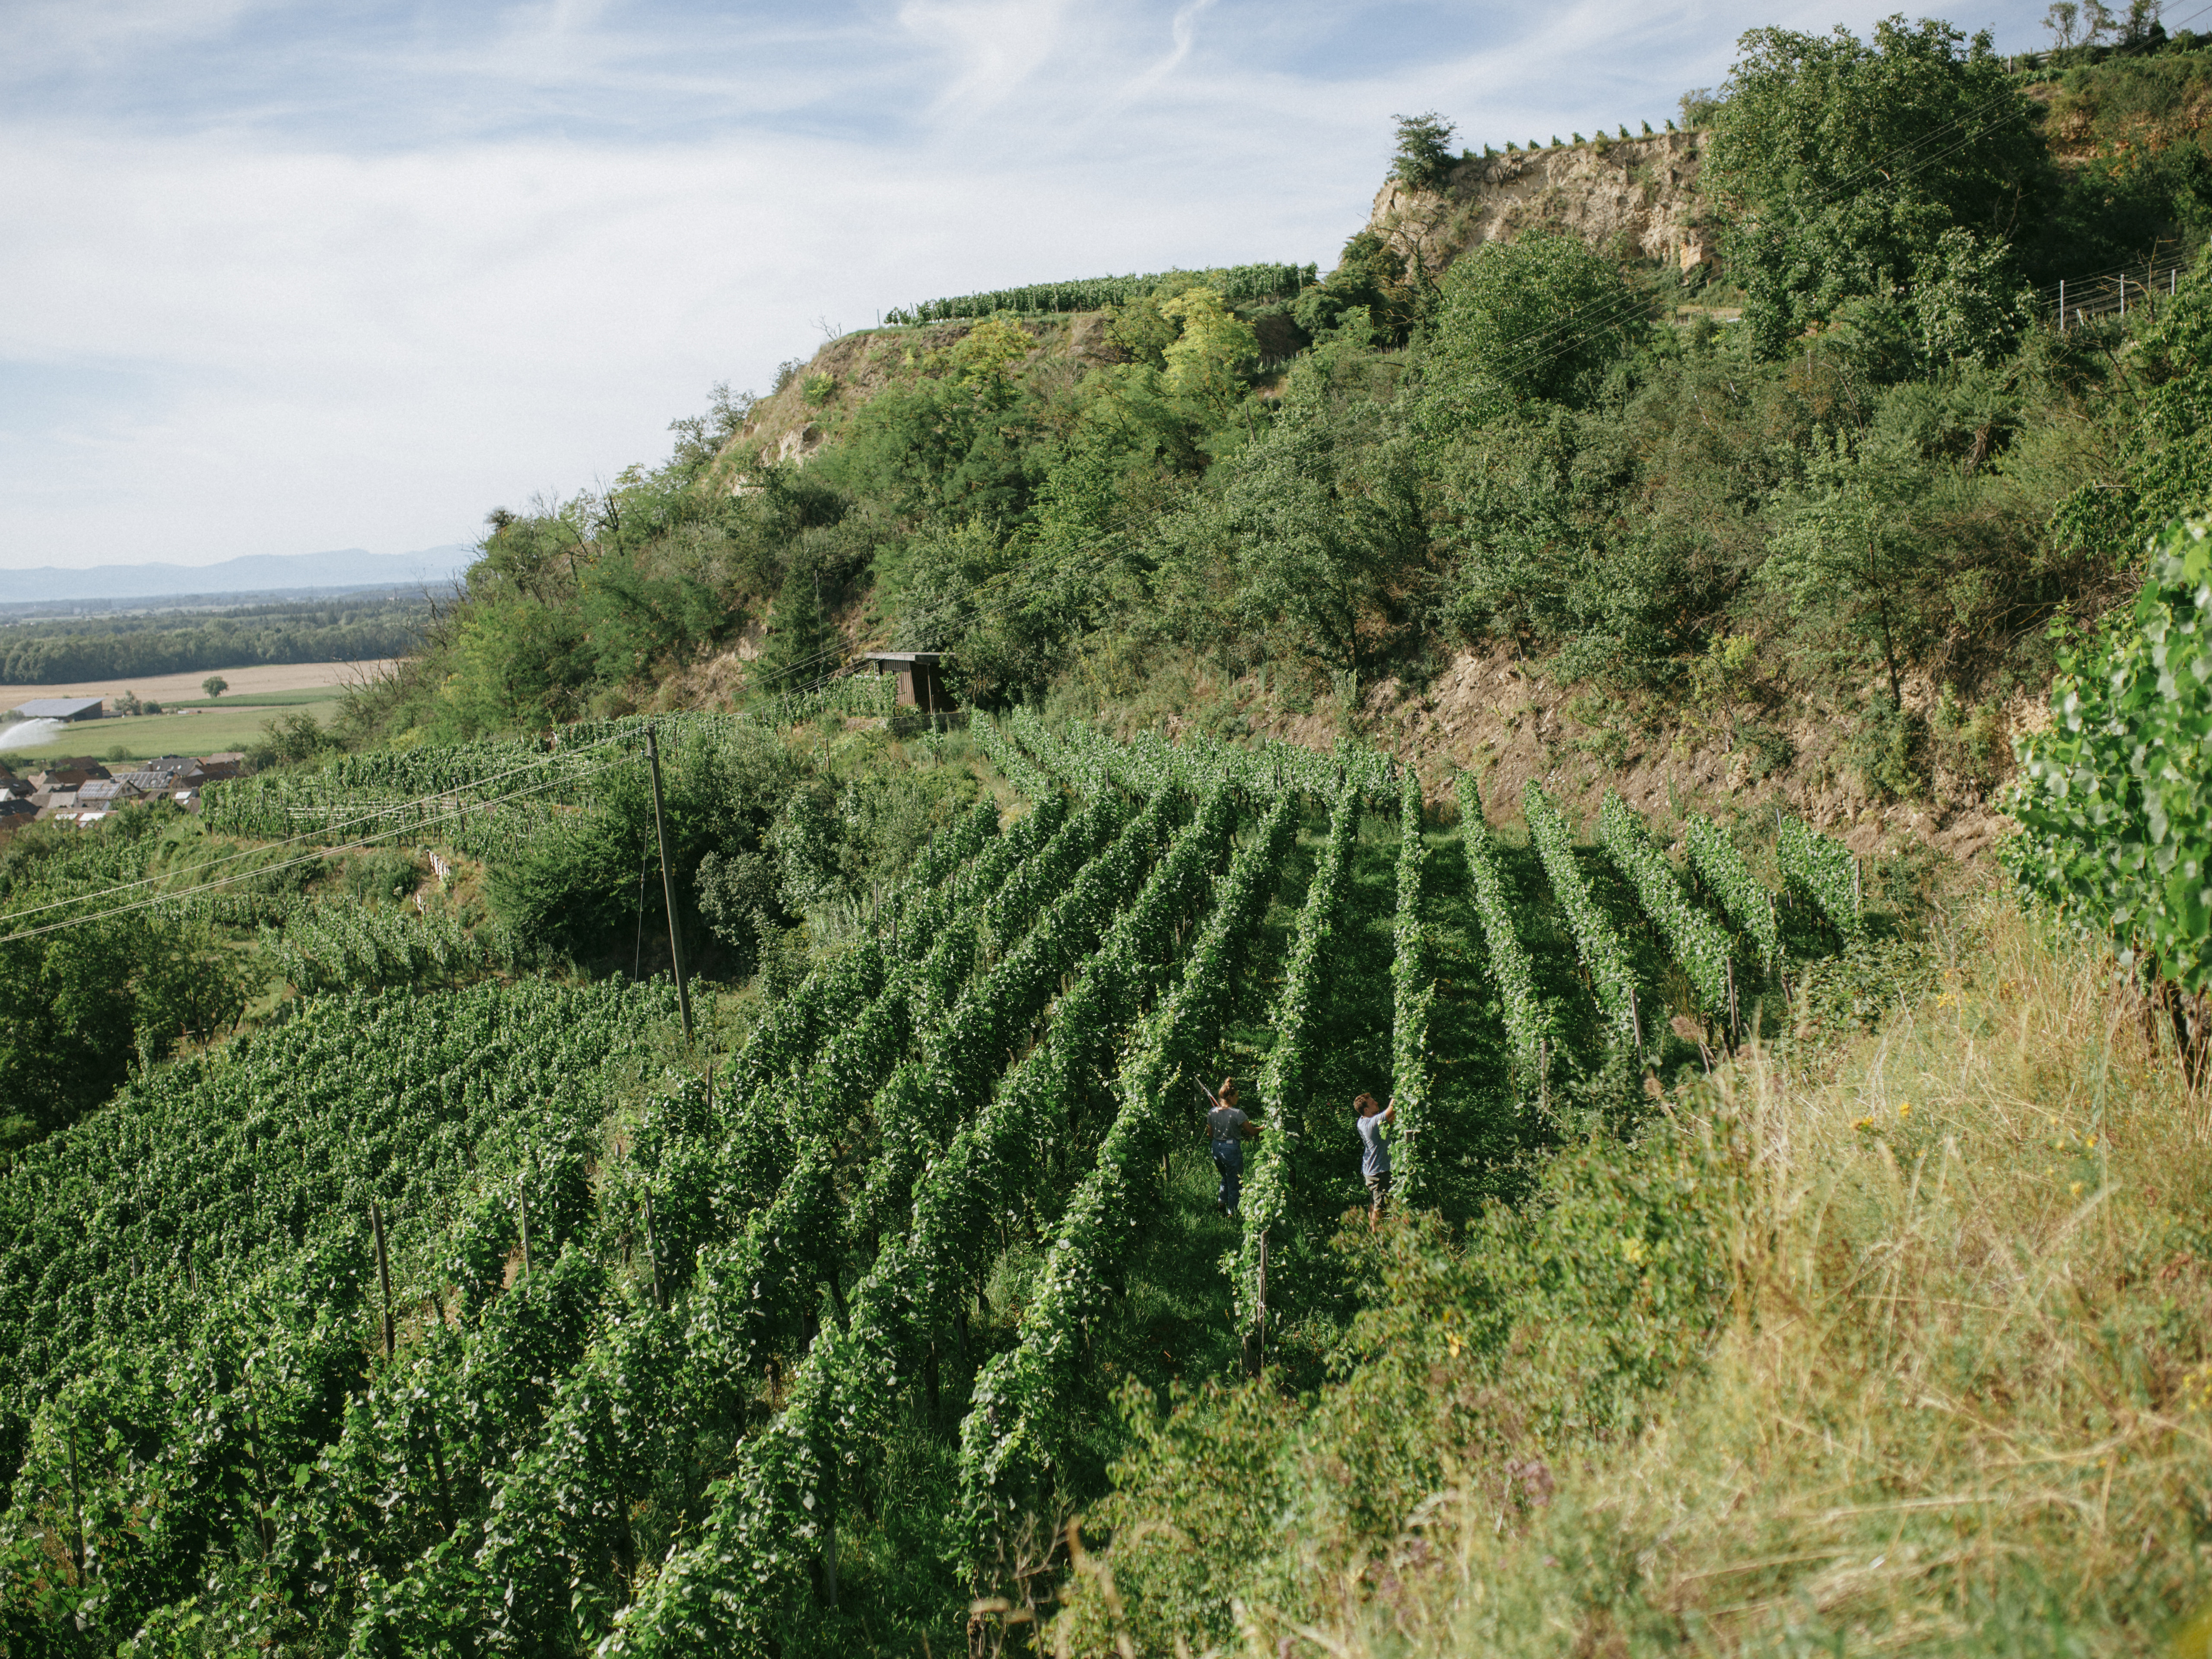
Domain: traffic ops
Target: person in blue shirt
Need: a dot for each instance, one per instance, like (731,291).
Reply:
(1374,1151)
(1227,1129)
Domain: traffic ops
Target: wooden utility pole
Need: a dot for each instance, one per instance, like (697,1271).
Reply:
(668,884)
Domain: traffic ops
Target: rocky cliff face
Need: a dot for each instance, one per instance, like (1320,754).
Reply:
(1630,197)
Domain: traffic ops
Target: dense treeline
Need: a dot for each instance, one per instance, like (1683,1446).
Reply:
(1882,484)
(355,629)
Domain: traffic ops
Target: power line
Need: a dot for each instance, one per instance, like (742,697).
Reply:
(458,806)
(328,830)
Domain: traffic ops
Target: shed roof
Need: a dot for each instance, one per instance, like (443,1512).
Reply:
(58,708)
(925,658)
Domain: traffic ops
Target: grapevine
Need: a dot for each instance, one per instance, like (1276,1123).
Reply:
(2112,800)
(1529,1024)
(1823,871)
(1282,1077)
(1722,869)
(1012,765)
(1413,992)
(1698,942)
(1602,952)
(1017,1422)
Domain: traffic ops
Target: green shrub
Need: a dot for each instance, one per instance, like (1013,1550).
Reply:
(1555,1324)
(379,877)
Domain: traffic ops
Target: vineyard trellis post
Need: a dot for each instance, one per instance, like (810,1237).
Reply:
(522,1213)
(76,1506)
(652,1249)
(668,884)
(383,1272)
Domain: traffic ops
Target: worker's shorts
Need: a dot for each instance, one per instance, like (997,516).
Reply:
(1378,1190)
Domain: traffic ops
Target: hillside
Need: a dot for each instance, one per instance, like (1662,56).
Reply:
(1624,549)
(1552,992)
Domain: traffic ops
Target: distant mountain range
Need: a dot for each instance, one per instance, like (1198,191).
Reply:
(259,573)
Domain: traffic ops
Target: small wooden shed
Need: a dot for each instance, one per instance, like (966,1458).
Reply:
(921,677)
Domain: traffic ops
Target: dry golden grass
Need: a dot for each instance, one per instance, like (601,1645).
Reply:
(1963,1403)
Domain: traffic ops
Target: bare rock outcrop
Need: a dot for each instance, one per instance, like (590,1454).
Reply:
(1630,197)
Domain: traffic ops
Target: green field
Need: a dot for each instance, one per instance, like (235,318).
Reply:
(214,729)
(294,698)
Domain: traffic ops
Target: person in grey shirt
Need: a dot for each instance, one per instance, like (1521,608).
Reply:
(1227,1129)
(1374,1153)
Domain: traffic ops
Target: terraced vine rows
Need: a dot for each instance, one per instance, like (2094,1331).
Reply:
(653,1366)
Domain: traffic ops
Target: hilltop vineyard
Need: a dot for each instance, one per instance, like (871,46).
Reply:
(1237,284)
(467,1309)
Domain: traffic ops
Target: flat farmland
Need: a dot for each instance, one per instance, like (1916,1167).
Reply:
(185,688)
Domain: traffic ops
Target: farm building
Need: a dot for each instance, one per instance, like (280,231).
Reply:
(62,708)
(921,677)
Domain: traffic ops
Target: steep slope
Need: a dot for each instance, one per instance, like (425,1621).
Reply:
(1630,197)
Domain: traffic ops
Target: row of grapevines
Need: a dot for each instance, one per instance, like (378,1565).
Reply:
(948,850)
(863,695)
(1147,762)
(1036,882)
(1232,282)
(1823,871)
(1721,868)
(794,1030)
(1529,1023)
(727,1592)
(1142,770)
(1699,943)
(1019,1423)
(1597,942)
(331,947)
(1283,1081)
(193,1290)
(554,1538)
(1012,765)
(1413,992)
(1078,767)
(797,1236)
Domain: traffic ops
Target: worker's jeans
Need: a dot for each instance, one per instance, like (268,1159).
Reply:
(1229,1158)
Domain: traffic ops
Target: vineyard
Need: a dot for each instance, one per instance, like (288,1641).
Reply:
(1237,284)
(467,1310)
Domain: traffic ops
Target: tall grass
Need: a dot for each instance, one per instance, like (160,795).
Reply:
(1956,1396)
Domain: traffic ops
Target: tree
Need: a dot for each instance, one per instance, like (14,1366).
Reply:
(1424,154)
(1837,166)
(214,685)
(1206,359)
(1543,316)
(1856,548)
(2062,20)
(1370,274)
(1322,530)
(802,647)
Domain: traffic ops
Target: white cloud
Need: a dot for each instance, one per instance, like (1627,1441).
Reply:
(231,331)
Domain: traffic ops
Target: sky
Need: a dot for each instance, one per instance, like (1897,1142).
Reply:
(285,276)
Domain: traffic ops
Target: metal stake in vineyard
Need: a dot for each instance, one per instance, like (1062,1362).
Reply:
(668,884)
